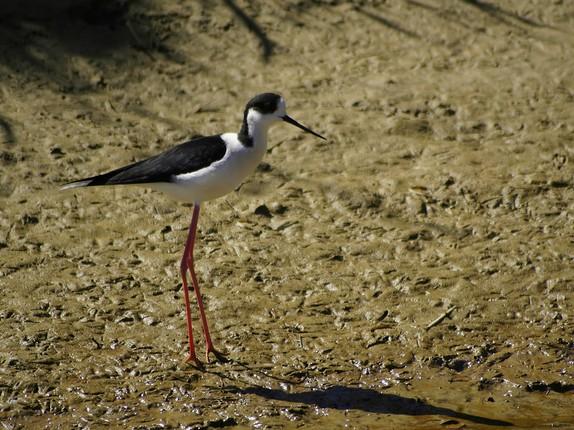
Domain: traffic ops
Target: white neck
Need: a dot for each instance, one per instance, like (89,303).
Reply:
(257,127)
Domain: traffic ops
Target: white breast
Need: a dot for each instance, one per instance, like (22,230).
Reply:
(219,178)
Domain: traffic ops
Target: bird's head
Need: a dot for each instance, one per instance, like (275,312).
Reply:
(266,108)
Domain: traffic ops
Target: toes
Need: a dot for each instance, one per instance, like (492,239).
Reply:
(193,359)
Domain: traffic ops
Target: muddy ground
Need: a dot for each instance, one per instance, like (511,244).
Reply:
(414,271)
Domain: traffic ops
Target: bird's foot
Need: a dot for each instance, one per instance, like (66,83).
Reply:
(193,358)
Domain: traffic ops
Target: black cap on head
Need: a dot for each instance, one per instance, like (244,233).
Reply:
(264,103)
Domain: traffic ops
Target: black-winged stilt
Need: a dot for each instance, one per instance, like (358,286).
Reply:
(203,169)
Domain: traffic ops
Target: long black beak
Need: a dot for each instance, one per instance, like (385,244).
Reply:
(290,120)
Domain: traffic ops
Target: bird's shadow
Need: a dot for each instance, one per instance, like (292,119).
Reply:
(367,400)
(341,397)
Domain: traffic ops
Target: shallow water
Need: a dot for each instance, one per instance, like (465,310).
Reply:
(415,271)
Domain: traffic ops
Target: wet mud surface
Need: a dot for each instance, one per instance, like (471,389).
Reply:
(414,271)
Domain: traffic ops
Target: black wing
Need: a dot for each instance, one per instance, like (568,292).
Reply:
(184,158)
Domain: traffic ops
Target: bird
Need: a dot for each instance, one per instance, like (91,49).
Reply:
(199,170)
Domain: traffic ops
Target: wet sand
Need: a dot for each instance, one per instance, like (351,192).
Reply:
(414,271)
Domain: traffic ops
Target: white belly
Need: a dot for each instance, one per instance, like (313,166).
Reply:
(218,179)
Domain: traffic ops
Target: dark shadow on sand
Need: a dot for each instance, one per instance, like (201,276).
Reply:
(39,38)
(368,400)
(71,46)
(6,132)
(267,44)
(501,14)
(341,397)
(388,23)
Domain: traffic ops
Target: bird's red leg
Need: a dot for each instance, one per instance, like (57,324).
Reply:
(183,268)
(208,342)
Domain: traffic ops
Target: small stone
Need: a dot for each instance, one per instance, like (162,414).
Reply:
(149,320)
(29,219)
(57,152)
(279,208)
(264,167)
(263,210)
